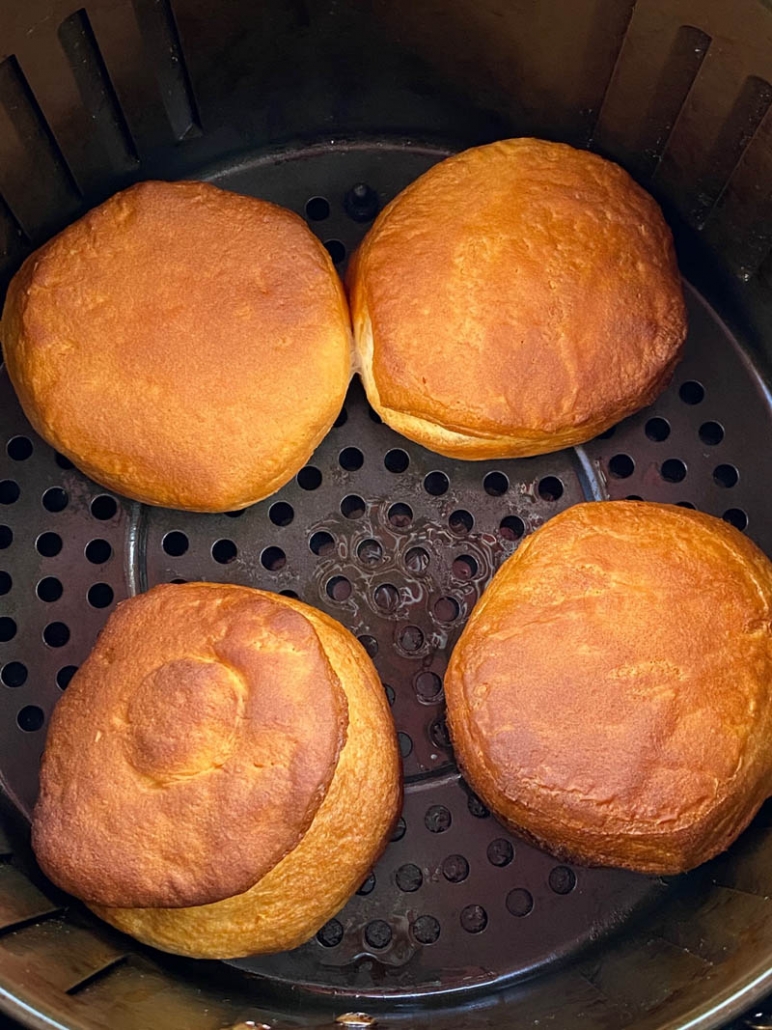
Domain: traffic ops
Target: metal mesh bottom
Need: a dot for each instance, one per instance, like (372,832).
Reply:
(397,543)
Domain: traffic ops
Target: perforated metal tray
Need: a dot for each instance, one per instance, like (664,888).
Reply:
(397,543)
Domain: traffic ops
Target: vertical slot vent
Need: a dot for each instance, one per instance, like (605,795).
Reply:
(675,81)
(159,32)
(739,226)
(97,93)
(738,130)
(34,176)
(652,79)
(610,26)
(14,246)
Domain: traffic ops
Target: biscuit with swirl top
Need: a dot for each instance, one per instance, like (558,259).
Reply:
(216,750)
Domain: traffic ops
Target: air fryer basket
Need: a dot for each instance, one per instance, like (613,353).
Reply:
(331,107)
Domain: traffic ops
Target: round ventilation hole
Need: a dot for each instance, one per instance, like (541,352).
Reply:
(100,595)
(104,507)
(455,868)
(446,609)
(428,686)
(370,644)
(317,209)
(711,433)
(673,470)
(396,460)
(367,886)
(56,634)
(353,507)
(436,484)
(273,559)
(224,551)
(500,852)
(438,731)
(351,459)
(495,484)
(175,543)
(64,675)
(331,934)
(476,807)
(30,718)
(10,493)
(309,478)
(438,819)
(426,930)
(50,589)
(519,902)
(13,674)
(281,513)
(474,918)
(726,475)
(99,551)
(464,567)
(411,639)
(322,543)
(19,448)
(512,527)
(400,516)
(369,552)
(55,499)
(338,588)
(562,880)
(417,560)
(736,517)
(336,250)
(461,522)
(386,597)
(691,392)
(657,429)
(550,488)
(409,878)
(49,544)
(378,934)
(621,466)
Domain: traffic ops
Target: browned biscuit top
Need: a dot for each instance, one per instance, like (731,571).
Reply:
(519,289)
(182,344)
(612,693)
(191,750)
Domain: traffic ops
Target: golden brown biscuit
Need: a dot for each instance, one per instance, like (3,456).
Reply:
(518,298)
(611,696)
(213,752)
(181,344)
